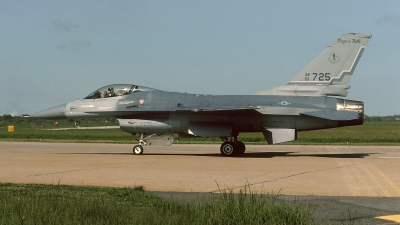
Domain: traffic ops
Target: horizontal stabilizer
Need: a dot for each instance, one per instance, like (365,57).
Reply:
(333,115)
(278,135)
(210,129)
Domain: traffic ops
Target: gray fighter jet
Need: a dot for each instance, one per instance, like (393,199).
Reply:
(305,103)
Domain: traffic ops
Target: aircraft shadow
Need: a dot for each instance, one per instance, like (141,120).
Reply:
(247,155)
(276,154)
(293,154)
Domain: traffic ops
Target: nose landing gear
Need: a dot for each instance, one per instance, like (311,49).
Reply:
(157,139)
(137,150)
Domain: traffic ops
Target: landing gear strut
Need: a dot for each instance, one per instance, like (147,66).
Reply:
(232,148)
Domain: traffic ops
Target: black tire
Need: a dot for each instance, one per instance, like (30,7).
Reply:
(228,148)
(241,148)
(137,150)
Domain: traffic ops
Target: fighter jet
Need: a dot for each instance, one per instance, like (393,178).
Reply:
(308,102)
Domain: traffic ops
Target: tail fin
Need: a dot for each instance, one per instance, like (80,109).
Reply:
(330,72)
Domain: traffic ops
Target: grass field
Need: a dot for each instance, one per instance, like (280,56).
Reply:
(59,204)
(371,133)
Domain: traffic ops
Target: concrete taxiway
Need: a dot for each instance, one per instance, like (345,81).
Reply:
(351,172)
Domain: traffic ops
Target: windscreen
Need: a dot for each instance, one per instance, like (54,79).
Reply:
(110,91)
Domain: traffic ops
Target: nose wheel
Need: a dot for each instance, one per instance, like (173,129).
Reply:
(137,150)
(233,148)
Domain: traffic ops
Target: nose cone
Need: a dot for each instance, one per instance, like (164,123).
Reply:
(57,112)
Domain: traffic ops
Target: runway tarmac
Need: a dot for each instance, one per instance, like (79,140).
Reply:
(365,177)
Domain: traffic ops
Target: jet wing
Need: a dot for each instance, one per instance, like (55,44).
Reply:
(217,109)
(221,110)
(333,115)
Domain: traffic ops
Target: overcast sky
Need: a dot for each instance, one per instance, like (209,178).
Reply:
(54,52)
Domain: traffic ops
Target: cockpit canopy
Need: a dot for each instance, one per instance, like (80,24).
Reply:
(112,91)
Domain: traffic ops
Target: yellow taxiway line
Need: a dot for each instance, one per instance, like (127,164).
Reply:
(394,218)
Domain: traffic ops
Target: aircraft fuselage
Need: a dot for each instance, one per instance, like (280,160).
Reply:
(171,112)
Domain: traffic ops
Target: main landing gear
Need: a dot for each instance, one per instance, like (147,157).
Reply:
(232,148)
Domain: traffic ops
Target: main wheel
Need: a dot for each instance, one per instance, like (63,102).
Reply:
(228,148)
(241,147)
(138,150)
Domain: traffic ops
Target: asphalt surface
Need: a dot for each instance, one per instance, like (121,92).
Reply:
(356,182)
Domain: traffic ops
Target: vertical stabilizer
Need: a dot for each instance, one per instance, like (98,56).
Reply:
(330,72)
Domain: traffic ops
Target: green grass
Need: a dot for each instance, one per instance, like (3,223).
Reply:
(32,134)
(379,133)
(59,204)
(371,133)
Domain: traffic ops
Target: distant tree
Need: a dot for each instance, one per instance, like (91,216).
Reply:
(7,116)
